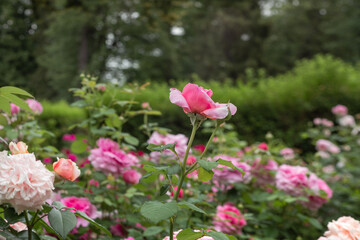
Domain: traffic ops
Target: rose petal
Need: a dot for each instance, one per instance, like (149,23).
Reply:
(177,98)
(197,98)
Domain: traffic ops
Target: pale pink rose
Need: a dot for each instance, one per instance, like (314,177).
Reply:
(19,226)
(263,171)
(35,106)
(287,153)
(316,185)
(145,105)
(180,147)
(263,146)
(323,154)
(69,137)
(228,219)
(14,109)
(323,145)
(67,169)
(25,183)
(108,158)
(131,176)
(101,88)
(18,148)
(347,121)
(292,179)
(339,110)
(195,99)
(177,232)
(317,121)
(327,123)
(345,228)
(81,204)
(224,174)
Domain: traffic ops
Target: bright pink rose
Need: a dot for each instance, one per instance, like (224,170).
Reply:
(35,106)
(47,160)
(316,185)
(180,146)
(69,137)
(25,183)
(191,160)
(263,146)
(287,153)
(72,157)
(181,193)
(66,169)
(345,228)
(195,99)
(200,148)
(339,110)
(227,175)
(108,158)
(14,109)
(292,179)
(131,176)
(228,219)
(263,171)
(81,204)
(128,238)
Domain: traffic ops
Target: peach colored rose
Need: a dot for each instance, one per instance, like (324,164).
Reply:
(66,169)
(18,148)
(345,228)
(195,99)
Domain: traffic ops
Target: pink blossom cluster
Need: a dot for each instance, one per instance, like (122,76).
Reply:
(297,180)
(180,147)
(323,122)
(81,204)
(325,148)
(345,228)
(228,219)
(347,121)
(226,175)
(110,159)
(35,106)
(25,182)
(287,153)
(263,172)
(339,110)
(177,232)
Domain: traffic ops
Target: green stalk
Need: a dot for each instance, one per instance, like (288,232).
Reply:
(29,226)
(210,140)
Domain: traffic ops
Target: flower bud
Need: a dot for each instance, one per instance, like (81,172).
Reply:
(66,169)
(18,148)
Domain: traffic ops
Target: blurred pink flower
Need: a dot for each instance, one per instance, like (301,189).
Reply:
(347,121)
(292,179)
(145,105)
(326,146)
(72,157)
(191,160)
(180,147)
(195,99)
(263,146)
(345,228)
(108,158)
(339,110)
(263,172)
(47,160)
(181,193)
(81,204)
(69,137)
(25,183)
(228,219)
(14,109)
(35,106)
(131,176)
(316,185)
(200,148)
(287,153)
(93,182)
(118,230)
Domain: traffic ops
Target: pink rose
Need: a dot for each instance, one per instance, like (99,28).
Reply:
(262,171)
(263,146)
(287,153)
(323,145)
(200,148)
(195,99)
(316,185)
(131,176)
(228,219)
(145,105)
(345,228)
(292,179)
(35,106)
(81,204)
(317,121)
(347,121)
(14,109)
(339,110)
(191,160)
(181,193)
(69,137)
(66,169)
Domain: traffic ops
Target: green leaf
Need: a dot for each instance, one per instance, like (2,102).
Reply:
(3,120)
(205,175)
(218,236)
(15,90)
(188,234)
(16,100)
(164,189)
(315,223)
(156,211)
(131,140)
(91,221)
(152,231)
(48,228)
(207,165)
(174,179)
(155,147)
(191,206)
(47,237)
(230,164)
(12,217)
(78,146)
(58,205)
(62,221)
(4,104)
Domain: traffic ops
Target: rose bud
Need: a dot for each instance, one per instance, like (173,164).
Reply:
(18,148)
(66,169)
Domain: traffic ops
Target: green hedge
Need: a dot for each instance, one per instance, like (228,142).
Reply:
(282,105)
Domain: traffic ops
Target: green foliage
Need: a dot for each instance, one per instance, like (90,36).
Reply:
(156,211)
(62,221)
